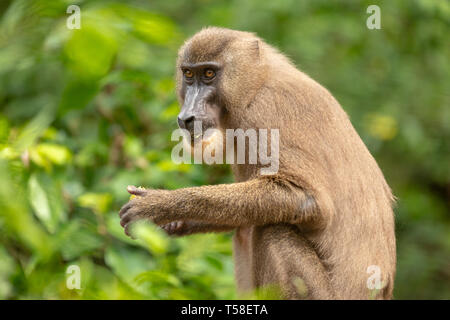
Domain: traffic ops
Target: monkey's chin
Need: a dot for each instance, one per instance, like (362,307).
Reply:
(209,141)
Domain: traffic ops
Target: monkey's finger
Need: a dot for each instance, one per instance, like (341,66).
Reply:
(170,228)
(167,227)
(125,208)
(176,226)
(127,230)
(128,216)
(136,191)
(124,220)
(179,225)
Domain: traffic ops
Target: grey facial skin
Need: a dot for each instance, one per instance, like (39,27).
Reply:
(200,96)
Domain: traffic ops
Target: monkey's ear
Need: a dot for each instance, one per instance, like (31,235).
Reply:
(251,48)
(256,49)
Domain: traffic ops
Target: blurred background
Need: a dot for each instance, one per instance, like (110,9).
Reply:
(84,113)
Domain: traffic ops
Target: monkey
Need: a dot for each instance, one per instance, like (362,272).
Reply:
(325,218)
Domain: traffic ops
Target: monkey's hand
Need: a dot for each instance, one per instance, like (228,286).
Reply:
(156,206)
(147,205)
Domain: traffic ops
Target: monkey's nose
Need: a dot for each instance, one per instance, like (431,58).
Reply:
(187,122)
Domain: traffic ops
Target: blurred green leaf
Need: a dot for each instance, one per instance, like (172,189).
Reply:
(39,201)
(152,237)
(98,202)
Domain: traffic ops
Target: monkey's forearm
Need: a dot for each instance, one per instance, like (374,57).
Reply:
(255,202)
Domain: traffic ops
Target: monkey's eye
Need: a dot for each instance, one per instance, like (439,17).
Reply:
(209,73)
(188,74)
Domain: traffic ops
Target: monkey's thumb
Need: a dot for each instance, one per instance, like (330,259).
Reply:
(136,191)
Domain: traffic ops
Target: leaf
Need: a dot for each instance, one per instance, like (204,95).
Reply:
(55,153)
(152,237)
(77,94)
(150,27)
(381,126)
(16,217)
(46,154)
(4,129)
(7,266)
(169,166)
(90,52)
(39,202)
(75,241)
(98,202)
(127,263)
(37,126)
(171,112)
(133,147)
(46,199)
(158,277)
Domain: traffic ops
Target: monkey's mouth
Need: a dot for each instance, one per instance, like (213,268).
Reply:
(203,137)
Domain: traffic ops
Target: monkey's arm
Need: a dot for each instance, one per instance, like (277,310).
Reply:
(184,228)
(260,201)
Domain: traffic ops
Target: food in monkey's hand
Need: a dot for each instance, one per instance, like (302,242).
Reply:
(132,196)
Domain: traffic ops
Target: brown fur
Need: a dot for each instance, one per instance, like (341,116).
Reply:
(324,217)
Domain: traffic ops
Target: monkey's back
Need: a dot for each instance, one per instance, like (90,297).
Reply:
(322,153)
(358,244)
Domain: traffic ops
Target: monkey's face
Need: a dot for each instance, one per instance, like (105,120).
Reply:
(201,109)
(219,71)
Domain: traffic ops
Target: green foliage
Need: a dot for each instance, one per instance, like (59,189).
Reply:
(84,113)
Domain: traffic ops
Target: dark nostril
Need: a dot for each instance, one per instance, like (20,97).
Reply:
(183,123)
(189,120)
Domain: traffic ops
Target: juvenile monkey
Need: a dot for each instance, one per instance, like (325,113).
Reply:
(325,217)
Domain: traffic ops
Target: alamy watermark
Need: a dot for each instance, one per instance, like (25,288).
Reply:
(74,20)
(374,281)
(374,20)
(209,147)
(73,279)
